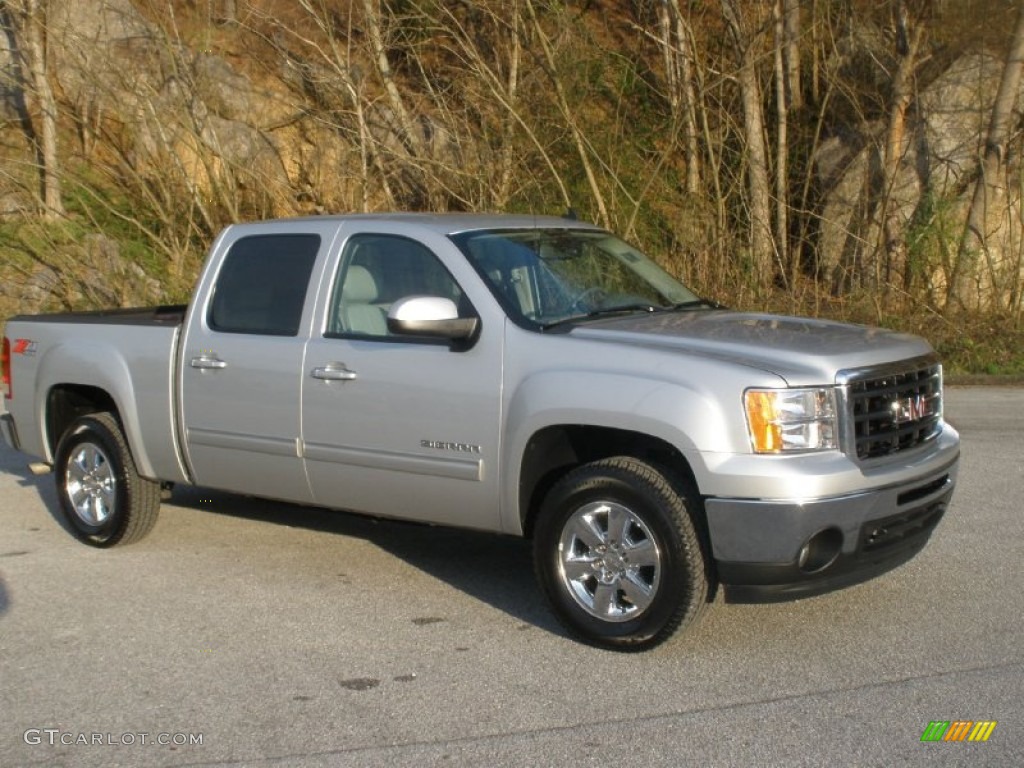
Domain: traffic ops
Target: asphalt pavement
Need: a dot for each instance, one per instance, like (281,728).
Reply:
(249,633)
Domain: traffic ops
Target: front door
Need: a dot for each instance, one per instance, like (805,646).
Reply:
(396,425)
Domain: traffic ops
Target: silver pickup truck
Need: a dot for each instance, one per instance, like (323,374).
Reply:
(525,375)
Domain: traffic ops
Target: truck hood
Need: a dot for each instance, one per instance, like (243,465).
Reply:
(804,352)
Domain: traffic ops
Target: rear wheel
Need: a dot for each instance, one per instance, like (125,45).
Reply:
(617,554)
(103,499)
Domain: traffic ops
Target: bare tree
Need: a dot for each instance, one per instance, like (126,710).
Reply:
(744,36)
(511,90)
(790,12)
(493,65)
(411,135)
(228,11)
(783,90)
(990,184)
(29,22)
(328,64)
(676,40)
(572,121)
(910,28)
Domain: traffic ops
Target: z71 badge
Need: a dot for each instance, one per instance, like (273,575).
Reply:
(25,347)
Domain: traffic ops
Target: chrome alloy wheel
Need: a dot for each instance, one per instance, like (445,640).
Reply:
(90,484)
(609,561)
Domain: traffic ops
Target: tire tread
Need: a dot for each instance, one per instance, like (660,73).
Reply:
(657,482)
(141,495)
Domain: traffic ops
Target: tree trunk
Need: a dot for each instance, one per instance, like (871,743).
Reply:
(816,53)
(548,62)
(503,82)
(977,230)
(31,38)
(507,155)
(791,52)
(783,85)
(412,137)
(910,32)
(677,50)
(762,248)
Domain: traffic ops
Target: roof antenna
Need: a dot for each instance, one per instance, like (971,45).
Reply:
(570,213)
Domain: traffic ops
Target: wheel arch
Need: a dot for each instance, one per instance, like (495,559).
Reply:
(557,449)
(66,403)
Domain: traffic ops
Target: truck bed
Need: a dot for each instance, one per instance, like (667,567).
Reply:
(129,354)
(164,315)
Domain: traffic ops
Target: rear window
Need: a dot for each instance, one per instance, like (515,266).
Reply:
(262,285)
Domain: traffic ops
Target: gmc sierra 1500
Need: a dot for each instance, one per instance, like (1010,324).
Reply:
(526,375)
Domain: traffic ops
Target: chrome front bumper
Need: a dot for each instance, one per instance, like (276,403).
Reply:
(767,551)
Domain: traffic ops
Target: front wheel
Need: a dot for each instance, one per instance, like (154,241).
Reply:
(617,554)
(103,499)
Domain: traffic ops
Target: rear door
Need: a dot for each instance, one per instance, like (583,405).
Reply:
(396,425)
(242,361)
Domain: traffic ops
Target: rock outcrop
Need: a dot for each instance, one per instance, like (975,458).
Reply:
(932,189)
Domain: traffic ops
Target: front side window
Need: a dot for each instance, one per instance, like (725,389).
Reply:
(376,271)
(261,287)
(548,276)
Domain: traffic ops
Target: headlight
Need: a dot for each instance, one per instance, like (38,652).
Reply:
(791,420)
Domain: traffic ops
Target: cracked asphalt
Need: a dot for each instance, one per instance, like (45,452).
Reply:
(282,636)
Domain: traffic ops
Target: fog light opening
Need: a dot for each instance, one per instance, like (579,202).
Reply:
(820,551)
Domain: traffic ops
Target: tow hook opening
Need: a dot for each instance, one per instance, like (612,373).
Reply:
(820,550)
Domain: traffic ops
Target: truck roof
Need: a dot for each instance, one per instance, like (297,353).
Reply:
(451,223)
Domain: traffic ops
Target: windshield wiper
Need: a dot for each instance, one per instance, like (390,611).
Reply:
(636,306)
(618,309)
(697,304)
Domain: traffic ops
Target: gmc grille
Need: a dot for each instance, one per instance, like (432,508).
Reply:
(894,410)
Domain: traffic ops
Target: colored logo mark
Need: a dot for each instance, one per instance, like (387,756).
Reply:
(24,347)
(958,730)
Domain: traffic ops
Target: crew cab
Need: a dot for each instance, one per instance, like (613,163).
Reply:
(525,375)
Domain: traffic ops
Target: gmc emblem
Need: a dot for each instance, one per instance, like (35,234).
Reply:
(913,408)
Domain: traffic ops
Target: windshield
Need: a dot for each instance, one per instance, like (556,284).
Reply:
(549,276)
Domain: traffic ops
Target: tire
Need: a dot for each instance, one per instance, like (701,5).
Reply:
(617,554)
(103,500)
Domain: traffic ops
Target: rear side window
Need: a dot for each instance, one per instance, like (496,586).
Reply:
(262,285)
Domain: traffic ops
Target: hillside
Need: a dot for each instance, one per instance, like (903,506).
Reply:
(819,161)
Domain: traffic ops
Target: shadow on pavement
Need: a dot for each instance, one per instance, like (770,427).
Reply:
(495,569)
(16,465)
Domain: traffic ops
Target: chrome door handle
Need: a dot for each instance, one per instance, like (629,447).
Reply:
(206,363)
(333,372)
